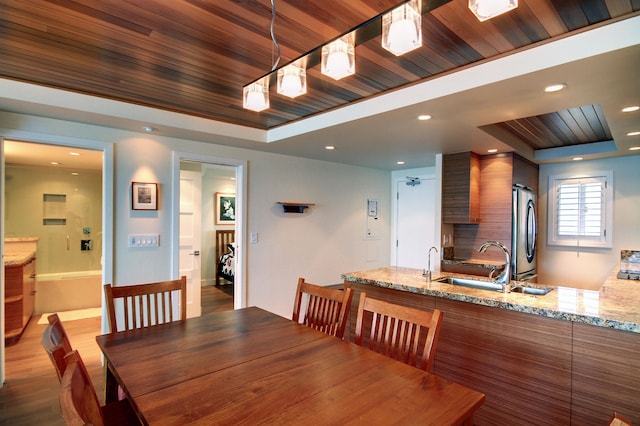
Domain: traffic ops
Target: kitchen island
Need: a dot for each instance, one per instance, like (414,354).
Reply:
(568,357)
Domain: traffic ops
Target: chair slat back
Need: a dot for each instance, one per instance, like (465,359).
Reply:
(402,333)
(146,305)
(326,309)
(56,343)
(78,400)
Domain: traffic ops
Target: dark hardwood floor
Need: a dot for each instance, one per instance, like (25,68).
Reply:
(30,392)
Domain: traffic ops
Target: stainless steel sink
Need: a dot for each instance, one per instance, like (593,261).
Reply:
(490,285)
(471,283)
(537,291)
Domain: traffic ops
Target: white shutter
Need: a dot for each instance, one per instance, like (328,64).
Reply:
(580,210)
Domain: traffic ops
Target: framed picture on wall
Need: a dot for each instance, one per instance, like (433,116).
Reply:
(225,208)
(144,196)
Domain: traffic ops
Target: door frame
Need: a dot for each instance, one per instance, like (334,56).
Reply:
(240,293)
(107,216)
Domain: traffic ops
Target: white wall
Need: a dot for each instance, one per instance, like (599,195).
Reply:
(321,244)
(589,267)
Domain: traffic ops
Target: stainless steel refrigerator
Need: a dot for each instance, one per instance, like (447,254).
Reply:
(524,235)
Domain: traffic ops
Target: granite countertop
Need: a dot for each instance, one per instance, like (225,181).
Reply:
(21,239)
(616,305)
(18,257)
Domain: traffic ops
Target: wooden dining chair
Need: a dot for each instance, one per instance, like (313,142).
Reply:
(79,402)
(56,343)
(398,331)
(146,305)
(326,310)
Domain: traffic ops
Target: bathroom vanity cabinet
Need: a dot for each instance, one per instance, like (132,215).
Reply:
(19,296)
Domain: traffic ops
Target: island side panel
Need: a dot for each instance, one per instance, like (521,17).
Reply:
(606,375)
(419,301)
(521,362)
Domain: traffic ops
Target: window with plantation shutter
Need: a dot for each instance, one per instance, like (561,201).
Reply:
(580,210)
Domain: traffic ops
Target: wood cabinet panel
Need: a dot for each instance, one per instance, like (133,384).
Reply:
(521,362)
(525,173)
(19,298)
(461,188)
(395,296)
(606,375)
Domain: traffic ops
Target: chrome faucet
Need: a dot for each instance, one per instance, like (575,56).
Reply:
(504,278)
(427,273)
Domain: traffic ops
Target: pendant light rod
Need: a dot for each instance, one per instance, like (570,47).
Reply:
(275,61)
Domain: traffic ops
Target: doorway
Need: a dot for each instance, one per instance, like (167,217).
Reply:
(56,192)
(415,221)
(199,181)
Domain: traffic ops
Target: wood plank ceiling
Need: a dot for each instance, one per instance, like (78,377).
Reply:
(194,56)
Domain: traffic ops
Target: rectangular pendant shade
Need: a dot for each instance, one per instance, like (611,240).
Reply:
(402,28)
(487,9)
(338,57)
(255,96)
(292,80)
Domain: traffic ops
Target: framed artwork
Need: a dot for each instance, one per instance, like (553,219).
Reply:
(144,196)
(225,208)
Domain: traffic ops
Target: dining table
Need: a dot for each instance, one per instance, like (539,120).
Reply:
(250,366)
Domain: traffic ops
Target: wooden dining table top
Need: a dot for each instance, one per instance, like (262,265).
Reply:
(250,366)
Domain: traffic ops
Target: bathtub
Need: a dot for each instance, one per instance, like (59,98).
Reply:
(68,291)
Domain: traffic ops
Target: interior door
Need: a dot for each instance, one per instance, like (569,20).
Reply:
(190,237)
(415,227)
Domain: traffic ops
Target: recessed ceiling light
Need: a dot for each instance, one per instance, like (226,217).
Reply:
(555,87)
(634,148)
(633,133)
(631,108)
(399,163)
(424,117)
(54,163)
(75,173)
(329,147)
(75,154)
(577,158)
(492,150)
(149,129)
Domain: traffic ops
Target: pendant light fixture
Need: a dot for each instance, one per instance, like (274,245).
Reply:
(292,80)
(487,9)
(402,28)
(255,96)
(338,57)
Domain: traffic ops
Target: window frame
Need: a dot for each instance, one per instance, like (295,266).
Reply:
(605,238)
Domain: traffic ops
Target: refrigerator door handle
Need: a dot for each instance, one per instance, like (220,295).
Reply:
(531,232)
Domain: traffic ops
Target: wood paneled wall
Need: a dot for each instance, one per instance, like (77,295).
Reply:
(498,173)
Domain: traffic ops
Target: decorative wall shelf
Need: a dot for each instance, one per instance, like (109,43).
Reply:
(294,207)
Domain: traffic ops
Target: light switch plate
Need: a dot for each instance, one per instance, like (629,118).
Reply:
(144,240)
